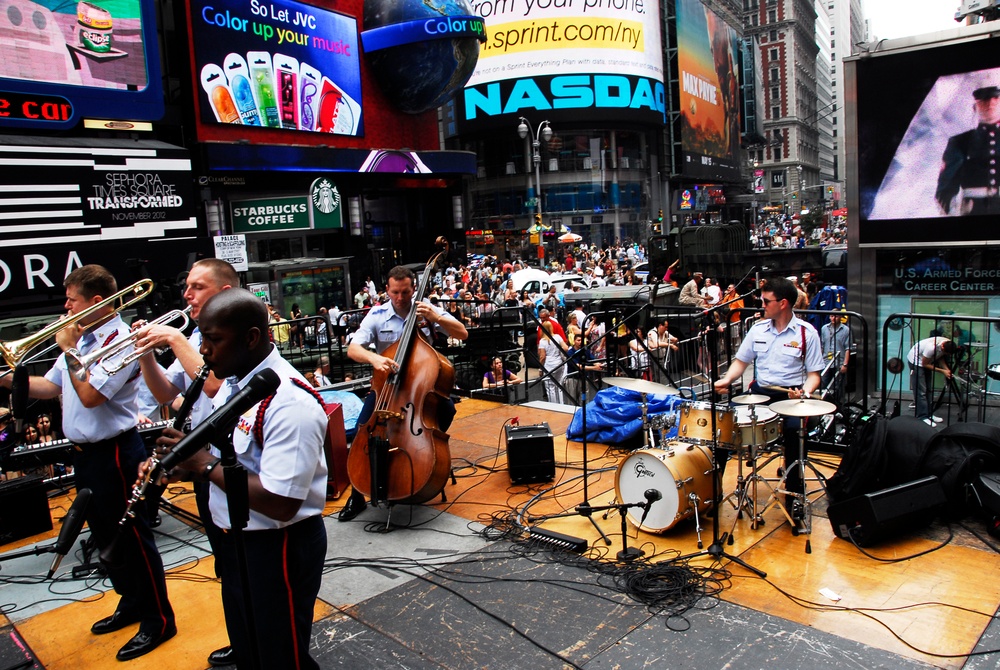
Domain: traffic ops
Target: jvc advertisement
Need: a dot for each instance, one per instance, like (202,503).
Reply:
(574,60)
(277,64)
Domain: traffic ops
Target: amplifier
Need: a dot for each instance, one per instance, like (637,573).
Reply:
(530,454)
(335,448)
(870,518)
(24,508)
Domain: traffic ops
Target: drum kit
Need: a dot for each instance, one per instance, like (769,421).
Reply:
(680,472)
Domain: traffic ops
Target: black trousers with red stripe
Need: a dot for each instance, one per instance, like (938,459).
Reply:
(285,568)
(109,469)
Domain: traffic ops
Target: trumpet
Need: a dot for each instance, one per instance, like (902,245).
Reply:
(78,363)
(15,351)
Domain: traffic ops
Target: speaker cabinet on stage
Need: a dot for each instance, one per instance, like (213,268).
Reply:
(335,447)
(24,508)
(874,516)
(530,454)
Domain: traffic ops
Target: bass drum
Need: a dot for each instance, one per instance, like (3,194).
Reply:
(682,473)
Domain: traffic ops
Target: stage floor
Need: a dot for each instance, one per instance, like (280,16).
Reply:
(453,584)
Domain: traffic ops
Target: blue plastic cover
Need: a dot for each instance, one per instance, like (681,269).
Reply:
(615,414)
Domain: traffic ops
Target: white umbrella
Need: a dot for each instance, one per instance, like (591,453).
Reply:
(569,238)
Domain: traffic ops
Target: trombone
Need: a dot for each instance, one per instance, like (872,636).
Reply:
(78,364)
(14,352)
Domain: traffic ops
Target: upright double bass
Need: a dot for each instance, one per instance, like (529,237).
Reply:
(400,454)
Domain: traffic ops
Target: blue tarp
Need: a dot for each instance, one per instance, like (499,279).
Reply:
(349,403)
(615,414)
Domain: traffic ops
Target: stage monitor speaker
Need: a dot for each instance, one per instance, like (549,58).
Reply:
(335,448)
(987,486)
(870,518)
(530,454)
(24,508)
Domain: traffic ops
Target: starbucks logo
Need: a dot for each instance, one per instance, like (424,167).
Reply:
(325,196)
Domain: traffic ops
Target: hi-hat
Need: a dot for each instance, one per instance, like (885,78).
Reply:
(803,407)
(750,399)
(641,385)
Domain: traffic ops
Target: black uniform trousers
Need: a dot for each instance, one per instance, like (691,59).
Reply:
(285,568)
(109,469)
(789,439)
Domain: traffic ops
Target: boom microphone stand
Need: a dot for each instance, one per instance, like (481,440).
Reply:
(716,550)
(583,509)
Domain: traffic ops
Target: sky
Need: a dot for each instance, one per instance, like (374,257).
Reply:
(902,18)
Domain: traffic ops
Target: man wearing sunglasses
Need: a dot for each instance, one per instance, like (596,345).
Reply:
(788,357)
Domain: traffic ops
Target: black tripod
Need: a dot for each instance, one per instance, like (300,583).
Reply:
(716,550)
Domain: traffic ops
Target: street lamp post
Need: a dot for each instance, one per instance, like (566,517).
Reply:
(544,132)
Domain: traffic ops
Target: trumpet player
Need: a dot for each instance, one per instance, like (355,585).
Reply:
(207,277)
(99,416)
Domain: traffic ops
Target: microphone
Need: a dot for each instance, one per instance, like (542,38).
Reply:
(71,527)
(651,495)
(261,385)
(19,396)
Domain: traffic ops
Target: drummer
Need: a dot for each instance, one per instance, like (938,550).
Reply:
(788,357)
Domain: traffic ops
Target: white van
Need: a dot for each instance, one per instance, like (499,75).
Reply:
(531,280)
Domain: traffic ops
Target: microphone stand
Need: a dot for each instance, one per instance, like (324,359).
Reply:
(238,498)
(717,549)
(584,509)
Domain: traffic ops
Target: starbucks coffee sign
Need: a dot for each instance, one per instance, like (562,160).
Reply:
(264,215)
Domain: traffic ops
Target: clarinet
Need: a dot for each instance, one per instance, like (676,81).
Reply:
(181,421)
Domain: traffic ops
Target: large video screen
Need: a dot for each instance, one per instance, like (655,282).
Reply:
(62,61)
(927,125)
(280,64)
(566,62)
(707,58)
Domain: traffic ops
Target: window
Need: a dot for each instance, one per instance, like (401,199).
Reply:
(774,75)
(834,132)
(772,16)
(833,44)
(774,54)
(775,95)
(753,20)
(773,36)
(777,152)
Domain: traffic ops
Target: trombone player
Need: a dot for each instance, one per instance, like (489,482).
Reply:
(99,416)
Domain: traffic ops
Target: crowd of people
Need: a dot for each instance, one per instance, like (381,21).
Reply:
(781,231)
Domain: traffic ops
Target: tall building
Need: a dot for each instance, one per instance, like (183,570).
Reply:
(847,28)
(826,107)
(786,31)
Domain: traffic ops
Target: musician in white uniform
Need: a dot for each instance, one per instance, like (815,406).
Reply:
(99,416)
(206,278)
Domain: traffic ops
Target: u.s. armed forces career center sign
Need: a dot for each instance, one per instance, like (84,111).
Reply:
(319,210)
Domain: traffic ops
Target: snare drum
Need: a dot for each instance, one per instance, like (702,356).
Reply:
(696,424)
(682,473)
(768,430)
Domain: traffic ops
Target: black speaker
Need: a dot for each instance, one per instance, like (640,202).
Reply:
(870,518)
(24,508)
(530,454)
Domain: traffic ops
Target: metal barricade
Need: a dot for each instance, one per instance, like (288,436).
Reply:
(970,393)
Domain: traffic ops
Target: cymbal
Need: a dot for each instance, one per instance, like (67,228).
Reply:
(641,385)
(750,399)
(803,407)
